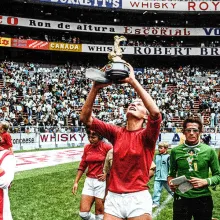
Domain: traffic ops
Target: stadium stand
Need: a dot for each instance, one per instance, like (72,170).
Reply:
(43,87)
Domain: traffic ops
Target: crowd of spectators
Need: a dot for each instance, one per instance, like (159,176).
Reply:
(142,42)
(50,97)
(63,38)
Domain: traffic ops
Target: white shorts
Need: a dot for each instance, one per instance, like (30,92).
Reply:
(128,205)
(93,187)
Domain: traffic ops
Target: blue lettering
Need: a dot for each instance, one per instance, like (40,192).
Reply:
(159,138)
(208,31)
(217,31)
(176,138)
(91,3)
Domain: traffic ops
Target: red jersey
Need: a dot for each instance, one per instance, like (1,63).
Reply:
(94,158)
(6,141)
(133,152)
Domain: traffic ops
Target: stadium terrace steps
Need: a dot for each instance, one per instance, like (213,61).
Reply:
(217,88)
(171,88)
(1,84)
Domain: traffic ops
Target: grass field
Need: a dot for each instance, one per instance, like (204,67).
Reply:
(45,194)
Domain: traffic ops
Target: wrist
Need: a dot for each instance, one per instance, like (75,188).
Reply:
(132,81)
(94,86)
(208,181)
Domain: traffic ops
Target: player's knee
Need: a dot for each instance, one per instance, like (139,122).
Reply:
(99,210)
(87,216)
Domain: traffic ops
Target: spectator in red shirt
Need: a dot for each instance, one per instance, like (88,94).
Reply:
(94,187)
(133,150)
(5,137)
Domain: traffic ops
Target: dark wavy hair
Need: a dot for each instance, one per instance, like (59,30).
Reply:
(91,132)
(192,120)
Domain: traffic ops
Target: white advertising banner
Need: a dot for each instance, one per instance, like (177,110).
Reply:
(109,29)
(142,4)
(33,141)
(171,5)
(24,141)
(62,139)
(170,51)
(174,138)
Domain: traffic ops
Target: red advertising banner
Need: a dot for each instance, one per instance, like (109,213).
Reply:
(30,44)
(19,43)
(37,45)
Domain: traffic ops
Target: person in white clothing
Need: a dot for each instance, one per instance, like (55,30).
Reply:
(7,170)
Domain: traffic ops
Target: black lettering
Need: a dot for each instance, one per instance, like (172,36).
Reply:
(91,48)
(157,51)
(167,51)
(147,50)
(178,51)
(99,49)
(47,24)
(79,27)
(97,29)
(188,50)
(214,51)
(60,25)
(137,50)
(90,27)
(109,49)
(40,24)
(67,26)
(32,23)
(204,51)
(112,30)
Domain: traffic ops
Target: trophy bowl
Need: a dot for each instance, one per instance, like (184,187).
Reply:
(115,71)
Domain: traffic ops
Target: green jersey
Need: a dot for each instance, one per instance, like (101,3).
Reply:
(195,162)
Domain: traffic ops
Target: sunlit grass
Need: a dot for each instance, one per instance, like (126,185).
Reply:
(45,194)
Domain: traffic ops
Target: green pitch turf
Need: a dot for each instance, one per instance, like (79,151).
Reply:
(45,194)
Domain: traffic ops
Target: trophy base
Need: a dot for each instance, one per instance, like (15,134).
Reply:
(116,71)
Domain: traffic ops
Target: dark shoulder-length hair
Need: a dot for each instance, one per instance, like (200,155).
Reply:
(91,132)
(192,120)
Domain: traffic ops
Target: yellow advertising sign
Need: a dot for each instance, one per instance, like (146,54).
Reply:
(65,47)
(5,42)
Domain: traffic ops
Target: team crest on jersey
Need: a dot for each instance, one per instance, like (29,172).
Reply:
(191,157)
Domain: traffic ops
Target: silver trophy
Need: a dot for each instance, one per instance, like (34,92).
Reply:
(115,70)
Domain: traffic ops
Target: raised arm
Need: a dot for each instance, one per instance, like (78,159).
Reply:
(144,95)
(86,113)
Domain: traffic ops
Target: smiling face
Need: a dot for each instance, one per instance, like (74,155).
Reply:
(192,133)
(137,109)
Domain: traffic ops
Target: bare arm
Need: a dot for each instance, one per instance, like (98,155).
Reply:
(86,113)
(144,95)
(76,181)
(171,185)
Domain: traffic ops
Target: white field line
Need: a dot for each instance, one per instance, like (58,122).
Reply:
(161,207)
